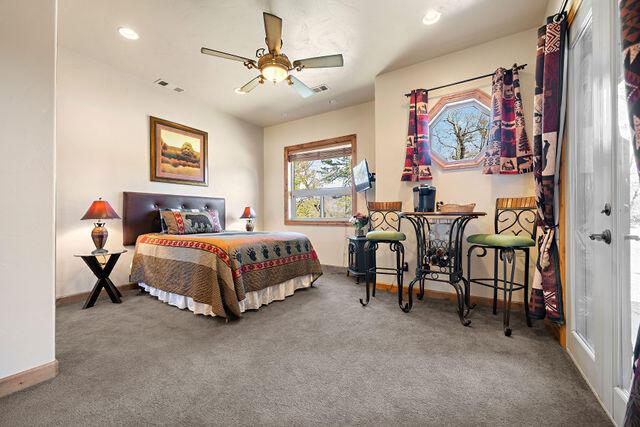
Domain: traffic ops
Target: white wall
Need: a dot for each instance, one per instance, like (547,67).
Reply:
(103,150)
(329,241)
(457,186)
(27,138)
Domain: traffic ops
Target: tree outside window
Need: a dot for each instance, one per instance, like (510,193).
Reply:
(459,129)
(319,182)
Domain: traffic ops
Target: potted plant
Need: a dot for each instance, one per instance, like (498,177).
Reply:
(359,222)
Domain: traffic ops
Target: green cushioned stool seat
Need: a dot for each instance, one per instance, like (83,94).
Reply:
(501,240)
(392,235)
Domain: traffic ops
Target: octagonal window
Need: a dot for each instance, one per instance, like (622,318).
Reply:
(459,129)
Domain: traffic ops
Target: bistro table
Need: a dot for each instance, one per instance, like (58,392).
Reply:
(439,237)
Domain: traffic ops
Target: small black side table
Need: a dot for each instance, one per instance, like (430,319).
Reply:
(102,273)
(357,264)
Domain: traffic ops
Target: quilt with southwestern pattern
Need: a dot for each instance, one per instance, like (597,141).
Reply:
(219,269)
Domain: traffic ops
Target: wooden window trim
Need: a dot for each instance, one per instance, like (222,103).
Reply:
(325,143)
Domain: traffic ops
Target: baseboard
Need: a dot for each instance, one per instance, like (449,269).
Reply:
(28,378)
(82,296)
(430,293)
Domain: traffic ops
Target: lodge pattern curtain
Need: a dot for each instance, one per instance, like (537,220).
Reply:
(630,25)
(546,294)
(509,150)
(417,162)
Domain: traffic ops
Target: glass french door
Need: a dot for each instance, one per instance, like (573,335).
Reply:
(628,250)
(604,209)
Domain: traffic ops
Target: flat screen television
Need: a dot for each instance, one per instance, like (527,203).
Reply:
(362,178)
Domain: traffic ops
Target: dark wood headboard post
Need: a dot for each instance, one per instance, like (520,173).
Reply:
(140,211)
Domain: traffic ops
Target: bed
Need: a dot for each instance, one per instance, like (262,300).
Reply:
(217,274)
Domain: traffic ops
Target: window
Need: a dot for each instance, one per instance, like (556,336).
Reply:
(459,129)
(318,183)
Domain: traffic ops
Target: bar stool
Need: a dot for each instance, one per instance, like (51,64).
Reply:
(384,227)
(515,230)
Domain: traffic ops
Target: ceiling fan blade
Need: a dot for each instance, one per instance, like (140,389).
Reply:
(225,55)
(302,89)
(250,85)
(320,62)
(273,32)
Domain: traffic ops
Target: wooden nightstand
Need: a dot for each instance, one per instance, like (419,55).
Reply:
(102,272)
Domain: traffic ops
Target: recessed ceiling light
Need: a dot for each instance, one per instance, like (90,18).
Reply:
(239,91)
(332,101)
(128,33)
(431,17)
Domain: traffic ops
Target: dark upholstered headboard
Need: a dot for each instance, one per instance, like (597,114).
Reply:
(140,211)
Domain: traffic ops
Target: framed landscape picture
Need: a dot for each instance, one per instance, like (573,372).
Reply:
(178,153)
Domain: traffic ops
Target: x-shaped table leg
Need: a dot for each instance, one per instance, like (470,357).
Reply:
(102,273)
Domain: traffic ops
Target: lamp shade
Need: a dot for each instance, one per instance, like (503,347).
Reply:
(248,213)
(100,209)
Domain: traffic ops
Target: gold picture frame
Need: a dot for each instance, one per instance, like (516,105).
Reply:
(178,153)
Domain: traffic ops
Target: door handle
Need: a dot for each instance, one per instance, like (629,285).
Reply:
(631,237)
(605,236)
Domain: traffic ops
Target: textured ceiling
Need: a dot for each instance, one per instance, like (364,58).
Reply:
(374,36)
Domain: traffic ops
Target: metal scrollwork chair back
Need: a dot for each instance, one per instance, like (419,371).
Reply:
(516,215)
(384,215)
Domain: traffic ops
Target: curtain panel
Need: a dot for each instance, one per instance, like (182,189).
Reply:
(508,151)
(546,294)
(417,162)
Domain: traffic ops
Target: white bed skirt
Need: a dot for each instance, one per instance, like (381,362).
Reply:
(253,300)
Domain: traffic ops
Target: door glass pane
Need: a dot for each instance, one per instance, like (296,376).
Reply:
(583,80)
(630,222)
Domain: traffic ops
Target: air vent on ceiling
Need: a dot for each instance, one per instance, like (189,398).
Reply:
(320,88)
(164,83)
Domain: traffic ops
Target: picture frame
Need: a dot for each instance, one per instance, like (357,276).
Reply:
(178,153)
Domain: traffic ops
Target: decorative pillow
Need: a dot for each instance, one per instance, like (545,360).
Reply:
(190,221)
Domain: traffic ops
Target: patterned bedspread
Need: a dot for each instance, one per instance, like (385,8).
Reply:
(218,269)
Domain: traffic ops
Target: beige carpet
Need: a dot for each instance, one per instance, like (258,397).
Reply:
(316,358)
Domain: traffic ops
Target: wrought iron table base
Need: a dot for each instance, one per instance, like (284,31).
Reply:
(450,268)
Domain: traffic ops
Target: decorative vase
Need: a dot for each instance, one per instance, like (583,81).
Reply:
(360,232)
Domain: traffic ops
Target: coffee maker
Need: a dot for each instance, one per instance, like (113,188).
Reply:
(424,198)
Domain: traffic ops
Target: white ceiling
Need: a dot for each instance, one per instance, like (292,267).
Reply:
(374,36)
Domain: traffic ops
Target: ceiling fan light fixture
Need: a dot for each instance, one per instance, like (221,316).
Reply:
(431,17)
(274,72)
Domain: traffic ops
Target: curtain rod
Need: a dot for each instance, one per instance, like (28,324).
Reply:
(519,67)
(563,7)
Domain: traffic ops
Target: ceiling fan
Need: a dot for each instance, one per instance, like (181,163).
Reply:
(274,66)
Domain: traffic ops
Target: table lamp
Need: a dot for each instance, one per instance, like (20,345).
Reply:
(248,214)
(100,210)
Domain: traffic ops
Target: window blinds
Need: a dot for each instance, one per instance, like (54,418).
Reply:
(330,153)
